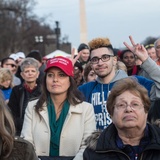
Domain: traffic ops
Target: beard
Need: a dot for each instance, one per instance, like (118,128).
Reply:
(104,74)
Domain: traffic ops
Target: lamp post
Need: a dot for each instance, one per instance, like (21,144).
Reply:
(39,44)
(38,39)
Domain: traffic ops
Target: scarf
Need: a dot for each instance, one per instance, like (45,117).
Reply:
(56,125)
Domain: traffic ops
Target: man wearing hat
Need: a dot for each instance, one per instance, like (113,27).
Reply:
(85,53)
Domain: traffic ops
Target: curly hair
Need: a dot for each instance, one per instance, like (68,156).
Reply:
(100,42)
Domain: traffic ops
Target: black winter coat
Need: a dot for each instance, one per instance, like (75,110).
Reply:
(18,102)
(106,148)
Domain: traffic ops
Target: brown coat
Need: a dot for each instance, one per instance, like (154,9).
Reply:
(22,150)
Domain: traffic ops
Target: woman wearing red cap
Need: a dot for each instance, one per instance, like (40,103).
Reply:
(60,121)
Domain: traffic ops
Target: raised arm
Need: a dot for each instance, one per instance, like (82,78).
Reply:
(138,49)
(74,56)
(148,65)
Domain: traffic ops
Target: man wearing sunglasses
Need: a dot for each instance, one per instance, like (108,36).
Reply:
(10,63)
(104,61)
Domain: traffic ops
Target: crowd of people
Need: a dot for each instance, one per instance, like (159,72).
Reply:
(99,103)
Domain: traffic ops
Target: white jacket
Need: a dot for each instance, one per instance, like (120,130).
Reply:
(79,124)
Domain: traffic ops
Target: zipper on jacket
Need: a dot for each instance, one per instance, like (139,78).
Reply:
(114,151)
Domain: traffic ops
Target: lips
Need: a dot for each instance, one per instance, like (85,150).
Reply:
(100,69)
(129,118)
(55,86)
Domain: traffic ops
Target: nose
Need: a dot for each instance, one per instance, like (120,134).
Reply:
(55,79)
(128,108)
(100,61)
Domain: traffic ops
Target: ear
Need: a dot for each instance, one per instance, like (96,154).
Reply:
(114,60)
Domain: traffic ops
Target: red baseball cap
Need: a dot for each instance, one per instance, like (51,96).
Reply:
(63,63)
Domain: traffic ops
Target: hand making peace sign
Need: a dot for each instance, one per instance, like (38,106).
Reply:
(138,49)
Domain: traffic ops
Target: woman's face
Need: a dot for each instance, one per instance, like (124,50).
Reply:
(6,83)
(129,59)
(131,116)
(30,74)
(57,82)
(91,76)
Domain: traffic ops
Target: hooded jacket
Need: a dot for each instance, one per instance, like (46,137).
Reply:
(96,92)
(103,146)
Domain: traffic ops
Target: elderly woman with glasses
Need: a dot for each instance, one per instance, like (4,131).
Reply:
(129,136)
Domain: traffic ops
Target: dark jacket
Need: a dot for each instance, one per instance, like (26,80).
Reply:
(106,148)
(55,158)
(154,111)
(18,102)
(22,150)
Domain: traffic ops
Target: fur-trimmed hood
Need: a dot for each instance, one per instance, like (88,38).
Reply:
(91,141)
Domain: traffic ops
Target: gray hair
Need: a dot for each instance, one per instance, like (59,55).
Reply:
(155,43)
(27,62)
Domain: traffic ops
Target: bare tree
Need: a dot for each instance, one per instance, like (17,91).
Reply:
(19,26)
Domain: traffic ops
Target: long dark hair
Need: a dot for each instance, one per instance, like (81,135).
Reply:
(74,96)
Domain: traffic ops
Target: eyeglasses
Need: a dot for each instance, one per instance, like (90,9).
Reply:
(158,47)
(12,65)
(104,58)
(134,106)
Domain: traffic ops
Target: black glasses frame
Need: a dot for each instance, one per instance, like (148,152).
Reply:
(104,58)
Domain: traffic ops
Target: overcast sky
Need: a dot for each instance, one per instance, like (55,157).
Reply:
(115,19)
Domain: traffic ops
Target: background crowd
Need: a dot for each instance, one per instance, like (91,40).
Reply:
(58,103)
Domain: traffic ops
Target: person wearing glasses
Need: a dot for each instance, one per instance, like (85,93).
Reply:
(157,47)
(129,136)
(103,62)
(10,63)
